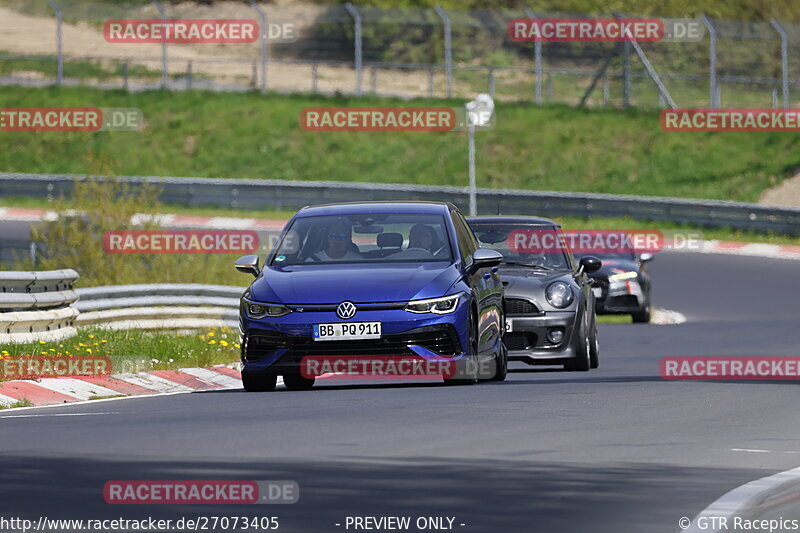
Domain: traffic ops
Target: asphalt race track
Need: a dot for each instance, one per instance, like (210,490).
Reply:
(612,450)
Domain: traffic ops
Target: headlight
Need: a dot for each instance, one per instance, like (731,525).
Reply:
(437,306)
(559,294)
(255,310)
(622,276)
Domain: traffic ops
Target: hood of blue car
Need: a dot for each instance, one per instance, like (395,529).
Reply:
(332,284)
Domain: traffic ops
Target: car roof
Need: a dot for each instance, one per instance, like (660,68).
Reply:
(355,208)
(528,221)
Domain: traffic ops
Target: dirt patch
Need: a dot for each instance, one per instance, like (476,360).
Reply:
(785,194)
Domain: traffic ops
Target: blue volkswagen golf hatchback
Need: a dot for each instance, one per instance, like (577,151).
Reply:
(373,279)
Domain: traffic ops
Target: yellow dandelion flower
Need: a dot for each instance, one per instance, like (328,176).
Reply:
(223,343)
(212,342)
(210,333)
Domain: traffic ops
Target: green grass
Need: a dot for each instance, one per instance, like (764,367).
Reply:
(545,148)
(139,351)
(82,69)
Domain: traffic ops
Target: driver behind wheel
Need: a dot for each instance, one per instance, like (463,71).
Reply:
(338,245)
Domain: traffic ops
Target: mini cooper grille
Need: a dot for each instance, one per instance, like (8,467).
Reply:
(522,340)
(518,306)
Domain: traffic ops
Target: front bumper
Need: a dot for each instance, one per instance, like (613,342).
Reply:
(620,297)
(280,344)
(527,339)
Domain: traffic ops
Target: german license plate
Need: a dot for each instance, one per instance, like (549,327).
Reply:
(347,331)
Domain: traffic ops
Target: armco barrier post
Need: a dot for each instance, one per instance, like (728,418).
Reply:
(357,43)
(537,61)
(164,64)
(713,81)
(448,48)
(59,41)
(784,61)
(262,18)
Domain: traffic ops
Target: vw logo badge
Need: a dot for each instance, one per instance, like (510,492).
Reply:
(346,310)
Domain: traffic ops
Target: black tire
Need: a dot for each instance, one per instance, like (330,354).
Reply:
(594,348)
(583,357)
(259,381)
(501,370)
(473,352)
(642,316)
(297,382)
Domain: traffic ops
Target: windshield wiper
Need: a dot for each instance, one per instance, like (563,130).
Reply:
(530,265)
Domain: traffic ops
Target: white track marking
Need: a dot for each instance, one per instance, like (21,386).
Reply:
(152,382)
(82,390)
(214,378)
(58,414)
(7,400)
(748,501)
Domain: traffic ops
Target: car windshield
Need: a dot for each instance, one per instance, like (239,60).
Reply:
(365,238)
(522,244)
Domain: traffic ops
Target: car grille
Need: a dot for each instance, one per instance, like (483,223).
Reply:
(441,339)
(518,306)
(522,340)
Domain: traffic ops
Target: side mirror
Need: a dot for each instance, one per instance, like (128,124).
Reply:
(590,263)
(485,258)
(248,264)
(644,258)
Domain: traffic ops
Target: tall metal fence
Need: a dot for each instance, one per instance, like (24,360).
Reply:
(400,52)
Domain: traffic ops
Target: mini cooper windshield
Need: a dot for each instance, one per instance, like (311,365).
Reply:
(373,238)
(523,245)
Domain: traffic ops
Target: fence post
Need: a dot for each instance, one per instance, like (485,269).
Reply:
(373,80)
(314,77)
(59,40)
(189,76)
(448,48)
(713,82)
(164,65)
(262,18)
(491,82)
(626,74)
(357,29)
(784,60)
(125,75)
(430,82)
(537,61)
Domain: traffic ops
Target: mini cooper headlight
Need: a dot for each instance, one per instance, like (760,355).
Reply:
(437,306)
(255,310)
(559,294)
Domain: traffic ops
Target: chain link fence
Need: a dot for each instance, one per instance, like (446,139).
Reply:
(408,52)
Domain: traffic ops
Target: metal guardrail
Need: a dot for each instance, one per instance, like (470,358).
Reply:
(37,306)
(55,314)
(284,194)
(159,306)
